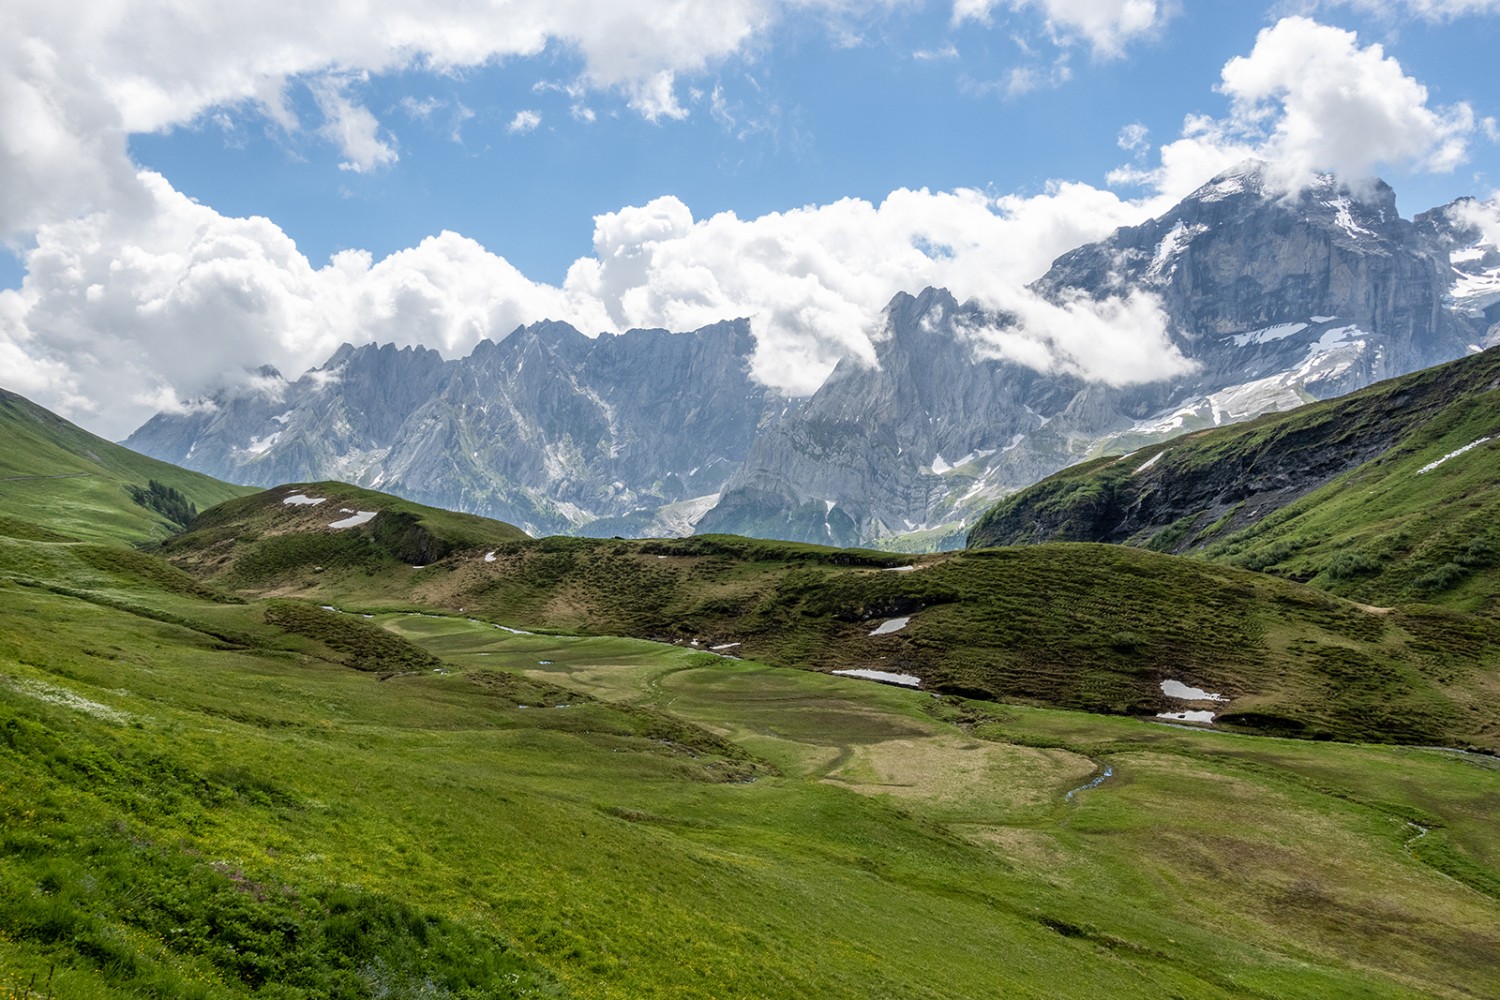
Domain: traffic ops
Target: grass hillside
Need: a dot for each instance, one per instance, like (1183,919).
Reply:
(1388,496)
(55,477)
(211,796)
(291,529)
(1077,626)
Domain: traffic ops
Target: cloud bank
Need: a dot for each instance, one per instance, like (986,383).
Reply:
(138,298)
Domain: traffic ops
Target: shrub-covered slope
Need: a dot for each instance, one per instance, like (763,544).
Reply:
(1388,496)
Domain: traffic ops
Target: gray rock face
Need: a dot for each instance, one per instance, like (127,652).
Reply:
(1278,301)
(548,429)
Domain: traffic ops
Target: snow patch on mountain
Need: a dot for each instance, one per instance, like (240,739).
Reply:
(1268,334)
(1171,247)
(1454,454)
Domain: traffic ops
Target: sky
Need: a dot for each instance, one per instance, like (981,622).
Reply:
(194,190)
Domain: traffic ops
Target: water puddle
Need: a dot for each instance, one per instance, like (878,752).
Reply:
(1204,717)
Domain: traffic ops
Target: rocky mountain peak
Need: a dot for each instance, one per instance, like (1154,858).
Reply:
(1277,300)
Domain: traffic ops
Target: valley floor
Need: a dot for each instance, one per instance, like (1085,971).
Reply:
(196,803)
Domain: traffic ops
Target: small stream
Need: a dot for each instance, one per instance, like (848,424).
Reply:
(1109,772)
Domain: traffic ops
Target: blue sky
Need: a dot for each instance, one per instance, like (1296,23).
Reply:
(520,125)
(915,101)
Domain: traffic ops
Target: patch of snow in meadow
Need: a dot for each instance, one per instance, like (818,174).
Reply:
(1454,454)
(1180,691)
(899,569)
(905,680)
(1148,463)
(302,500)
(489,557)
(361,517)
(894,625)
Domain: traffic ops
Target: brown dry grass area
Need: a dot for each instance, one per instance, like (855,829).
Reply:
(968,776)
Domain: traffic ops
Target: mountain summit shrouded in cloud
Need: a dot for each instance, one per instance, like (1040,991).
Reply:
(159,165)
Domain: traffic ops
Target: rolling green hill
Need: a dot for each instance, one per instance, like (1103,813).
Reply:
(211,787)
(1077,626)
(57,477)
(1388,496)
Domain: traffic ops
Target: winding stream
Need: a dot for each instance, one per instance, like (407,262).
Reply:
(1109,772)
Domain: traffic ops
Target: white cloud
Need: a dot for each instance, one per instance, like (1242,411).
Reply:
(1321,103)
(120,309)
(947,51)
(77,79)
(1108,26)
(352,128)
(1484,216)
(1308,100)
(1430,10)
(1117,340)
(524,121)
(1134,137)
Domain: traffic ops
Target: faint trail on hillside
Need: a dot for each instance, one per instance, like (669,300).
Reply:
(70,475)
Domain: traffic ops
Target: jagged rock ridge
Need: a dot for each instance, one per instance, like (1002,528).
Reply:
(547,429)
(1277,301)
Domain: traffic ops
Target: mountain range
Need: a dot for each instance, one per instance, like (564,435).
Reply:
(1273,300)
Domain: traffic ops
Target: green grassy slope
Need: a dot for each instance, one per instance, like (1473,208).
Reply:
(1333,494)
(262,535)
(1076,626)
(57,477)
(204,798)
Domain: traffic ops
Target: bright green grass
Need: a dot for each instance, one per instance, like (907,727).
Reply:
(1078,626)
(57,477)
(349,831)
(1384,533)
(1388,533)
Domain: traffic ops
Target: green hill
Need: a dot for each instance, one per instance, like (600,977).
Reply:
(57,477)
(1076,626)
(220,794)
(1388,496)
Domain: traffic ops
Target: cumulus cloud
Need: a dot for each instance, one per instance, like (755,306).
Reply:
(69,97)
(1483,216)
(1324,103)
(1108,26)
(524,121)
(121,311)
(1120,340)
(1309,99)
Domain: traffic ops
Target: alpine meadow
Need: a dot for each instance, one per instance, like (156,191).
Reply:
(758,499)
